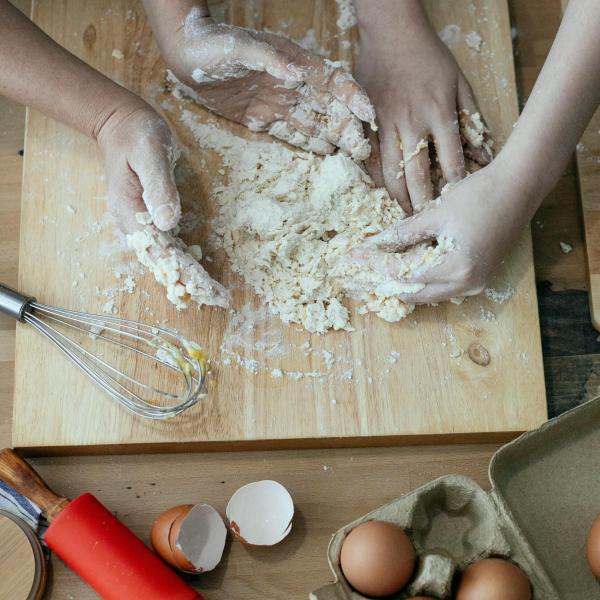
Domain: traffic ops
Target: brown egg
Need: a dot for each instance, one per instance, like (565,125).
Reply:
(493,579)
(377,558)
(161,534)
(593,547)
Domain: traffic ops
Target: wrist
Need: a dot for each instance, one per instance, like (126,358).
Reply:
(385,20)
(524,186)
(533,173)
(112,118)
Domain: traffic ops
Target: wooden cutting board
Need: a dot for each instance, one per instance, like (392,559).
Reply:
(389,383)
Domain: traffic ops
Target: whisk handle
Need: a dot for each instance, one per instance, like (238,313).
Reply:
(19,475)
(13,303)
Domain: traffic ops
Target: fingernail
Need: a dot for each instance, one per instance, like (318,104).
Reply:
(164,217)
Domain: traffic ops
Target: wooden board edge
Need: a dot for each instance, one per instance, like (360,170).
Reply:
(495,437)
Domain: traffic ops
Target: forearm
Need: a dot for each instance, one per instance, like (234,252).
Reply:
(168,16)
(561,104)
(36,71)
(385,21)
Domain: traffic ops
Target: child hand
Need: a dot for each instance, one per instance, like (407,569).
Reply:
(482,216)
(418,90)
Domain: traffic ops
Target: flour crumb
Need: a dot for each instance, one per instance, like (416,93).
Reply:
(565,248)
(328,358)
(450,35)
(487,315)
(276,373)
(348,374)
(393,357)
(500,296)
(117,54)
(71,209)
(473,40)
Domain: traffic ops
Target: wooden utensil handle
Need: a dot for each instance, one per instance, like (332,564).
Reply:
(19,475)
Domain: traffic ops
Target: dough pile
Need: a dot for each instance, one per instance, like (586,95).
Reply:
(287,220)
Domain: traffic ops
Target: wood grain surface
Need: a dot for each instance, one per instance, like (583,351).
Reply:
(22,567)
(433,388)
(139,487)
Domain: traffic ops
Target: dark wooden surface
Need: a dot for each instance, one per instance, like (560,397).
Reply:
(570,343)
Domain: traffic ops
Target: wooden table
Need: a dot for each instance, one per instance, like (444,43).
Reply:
(330,487)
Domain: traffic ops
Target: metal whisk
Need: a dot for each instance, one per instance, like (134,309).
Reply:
(184,362)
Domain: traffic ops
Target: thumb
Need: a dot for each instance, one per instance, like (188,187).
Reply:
(405,233)
(154,166)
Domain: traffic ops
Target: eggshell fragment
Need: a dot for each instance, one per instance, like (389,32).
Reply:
(593,547)
(260,513)
(195,538)
(162,527)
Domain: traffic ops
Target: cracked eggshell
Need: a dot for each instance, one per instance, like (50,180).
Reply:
(162,527)
(190,538)
(260,513)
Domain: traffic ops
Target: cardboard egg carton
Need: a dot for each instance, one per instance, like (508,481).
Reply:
(545,496)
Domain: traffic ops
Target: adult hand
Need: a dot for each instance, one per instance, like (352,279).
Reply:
(267,83)
(140,155)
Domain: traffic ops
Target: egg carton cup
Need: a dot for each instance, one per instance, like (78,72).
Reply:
(545,495)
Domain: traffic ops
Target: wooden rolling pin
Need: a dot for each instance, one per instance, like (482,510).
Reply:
(96,545)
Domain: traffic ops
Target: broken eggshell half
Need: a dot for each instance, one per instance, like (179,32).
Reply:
(190,537)
(260,513)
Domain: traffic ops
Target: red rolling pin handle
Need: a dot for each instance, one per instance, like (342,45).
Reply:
(109,557)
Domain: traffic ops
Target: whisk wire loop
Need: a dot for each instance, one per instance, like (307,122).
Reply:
(159,346)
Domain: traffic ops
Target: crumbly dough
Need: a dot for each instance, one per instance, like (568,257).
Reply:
(175,266)
(288,221)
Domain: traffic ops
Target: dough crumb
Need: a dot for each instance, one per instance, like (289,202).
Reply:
(566,248)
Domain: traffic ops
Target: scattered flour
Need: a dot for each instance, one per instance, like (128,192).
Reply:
(347,15)
(311,43)
(500,296)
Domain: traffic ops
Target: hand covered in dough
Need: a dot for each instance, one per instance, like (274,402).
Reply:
(480,219)
(267,83)
(140,155)
(418,91)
